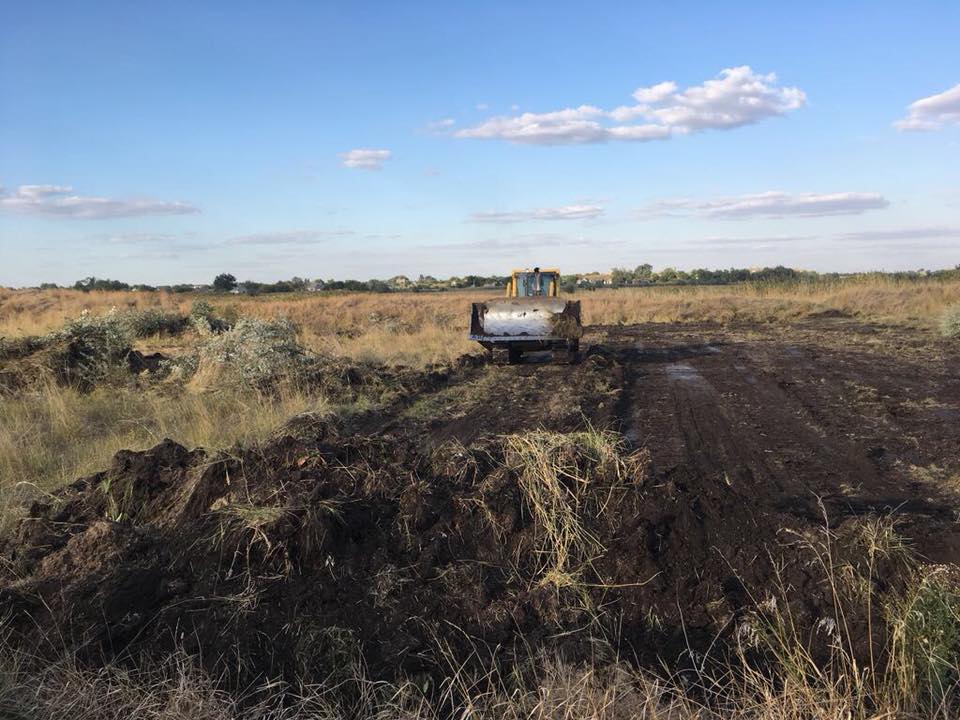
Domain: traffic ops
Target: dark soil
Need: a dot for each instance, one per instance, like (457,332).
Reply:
(402,533)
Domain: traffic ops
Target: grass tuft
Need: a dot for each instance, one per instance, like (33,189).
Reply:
(559,474)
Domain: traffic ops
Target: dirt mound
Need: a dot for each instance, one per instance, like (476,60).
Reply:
(293,558)
(302,549)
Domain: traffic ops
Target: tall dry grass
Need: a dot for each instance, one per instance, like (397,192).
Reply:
(419,328)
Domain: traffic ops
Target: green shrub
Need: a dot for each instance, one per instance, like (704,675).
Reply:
(146,323)
(927,634)
(254,352)
(90,347)
(204,319)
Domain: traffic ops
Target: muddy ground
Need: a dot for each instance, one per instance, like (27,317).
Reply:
(402,534)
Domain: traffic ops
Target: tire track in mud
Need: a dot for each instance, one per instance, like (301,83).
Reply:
(723,413)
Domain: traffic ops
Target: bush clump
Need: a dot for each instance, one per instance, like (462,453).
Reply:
(88,348)
(950,322)
(253,352)
(150,322)
(204,319)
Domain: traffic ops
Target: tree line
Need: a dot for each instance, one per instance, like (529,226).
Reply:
(641,275)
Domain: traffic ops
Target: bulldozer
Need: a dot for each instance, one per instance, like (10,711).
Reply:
(530,318)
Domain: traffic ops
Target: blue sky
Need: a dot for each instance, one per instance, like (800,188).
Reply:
(169,142)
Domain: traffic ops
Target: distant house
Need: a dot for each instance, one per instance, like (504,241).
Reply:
(315,286)
(594,279)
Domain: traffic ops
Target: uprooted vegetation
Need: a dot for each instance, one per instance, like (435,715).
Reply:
(92,350)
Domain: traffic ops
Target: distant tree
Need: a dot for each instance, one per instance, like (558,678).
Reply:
(48,286)
(93,283)
(224,282)
(667,275)
(644,272)
(620,277)
(378,286)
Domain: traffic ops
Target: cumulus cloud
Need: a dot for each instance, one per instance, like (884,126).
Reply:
(771,204)
(931,113)
(365,158)
(293,237)
(58,201)
(737,96)
(567,212)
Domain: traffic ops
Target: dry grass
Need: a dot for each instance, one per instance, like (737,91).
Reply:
(414,329)
(561,476)
(54,435)
(546,689)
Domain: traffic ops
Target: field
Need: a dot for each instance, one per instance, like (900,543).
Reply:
(741,502)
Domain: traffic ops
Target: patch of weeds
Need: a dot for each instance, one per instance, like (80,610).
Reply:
(203,318)
(926,636)
(441,403)
(950,322)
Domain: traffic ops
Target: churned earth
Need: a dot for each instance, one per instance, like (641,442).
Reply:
(658,494)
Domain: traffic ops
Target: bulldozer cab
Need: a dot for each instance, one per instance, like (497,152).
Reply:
(533,283)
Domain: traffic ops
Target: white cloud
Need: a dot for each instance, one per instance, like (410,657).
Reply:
(771,204)
(567,212)
(573,125)
(293,237)
(655,93)
(738,96)
(719,241)
(932,112)
(927,232)
(365,158)
(56,201)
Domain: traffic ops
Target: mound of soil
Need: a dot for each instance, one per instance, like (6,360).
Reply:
(282,558)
